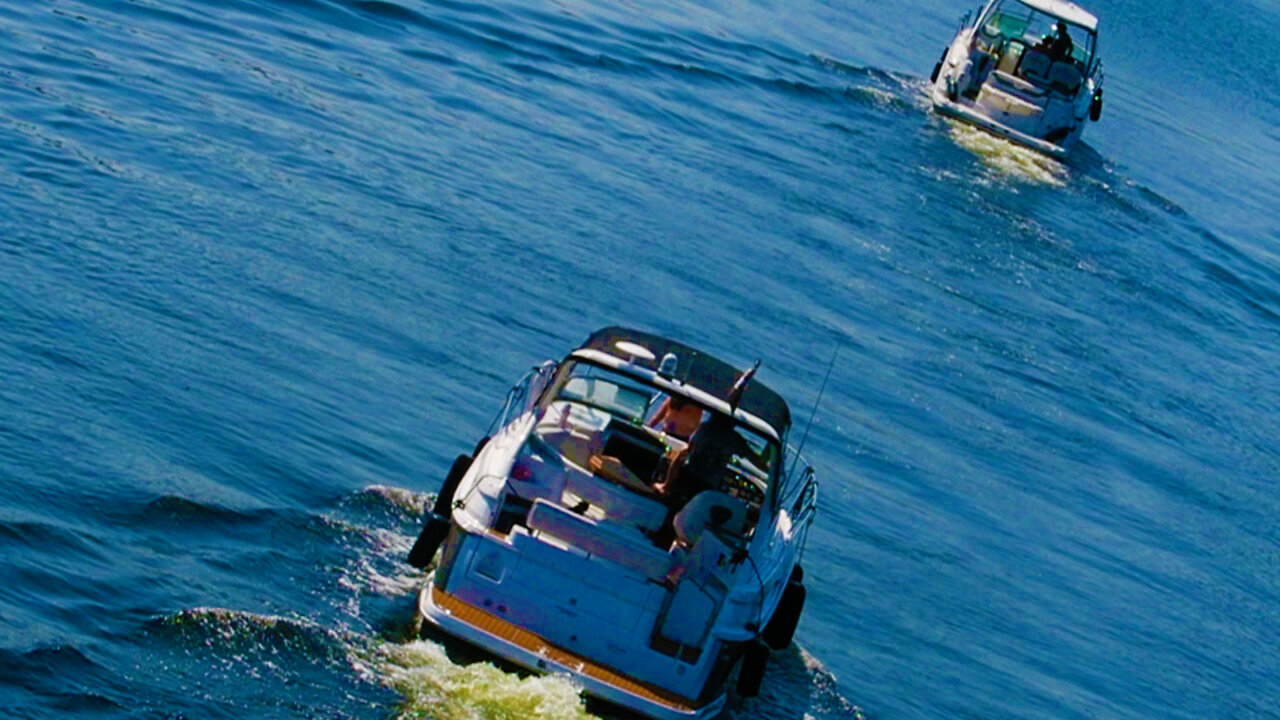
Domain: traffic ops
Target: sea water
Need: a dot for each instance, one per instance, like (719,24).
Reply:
(267,266)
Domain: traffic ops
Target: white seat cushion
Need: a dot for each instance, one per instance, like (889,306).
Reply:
(624,547)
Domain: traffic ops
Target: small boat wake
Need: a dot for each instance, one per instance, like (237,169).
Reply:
(796,685)
(891,92)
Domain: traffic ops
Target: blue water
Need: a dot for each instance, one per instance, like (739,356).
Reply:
(266,266)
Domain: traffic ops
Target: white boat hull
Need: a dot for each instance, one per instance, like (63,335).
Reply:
(967,114)
(537,655)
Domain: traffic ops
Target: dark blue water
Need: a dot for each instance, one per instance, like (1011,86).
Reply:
(266,266)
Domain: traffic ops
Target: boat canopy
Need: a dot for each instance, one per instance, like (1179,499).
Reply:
(693,367)
(1068,11)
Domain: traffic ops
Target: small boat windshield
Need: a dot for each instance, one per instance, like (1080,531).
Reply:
(1013,25)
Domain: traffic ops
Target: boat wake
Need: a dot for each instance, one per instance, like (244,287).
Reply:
(1008,159)
(435,686)
(363,645)
(452,686)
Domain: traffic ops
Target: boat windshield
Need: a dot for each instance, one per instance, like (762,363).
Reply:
(616,394)
(1012,22)
(750,466)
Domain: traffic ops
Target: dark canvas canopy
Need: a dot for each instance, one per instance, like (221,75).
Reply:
(703,371)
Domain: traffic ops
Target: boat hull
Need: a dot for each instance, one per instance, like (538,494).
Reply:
(957,111)
(528,650)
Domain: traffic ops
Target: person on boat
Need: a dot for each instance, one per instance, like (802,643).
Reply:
(703,465)
(686,471)
(1057,46)
(678,416)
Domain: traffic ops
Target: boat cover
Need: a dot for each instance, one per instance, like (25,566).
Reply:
(703,371)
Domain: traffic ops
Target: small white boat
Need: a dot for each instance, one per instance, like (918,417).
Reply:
(1027,70)
(635,522)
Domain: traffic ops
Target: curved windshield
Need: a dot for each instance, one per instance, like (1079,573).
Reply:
(602,389)
(1015,26)
(749,460)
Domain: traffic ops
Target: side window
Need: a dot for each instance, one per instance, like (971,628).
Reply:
(759,454)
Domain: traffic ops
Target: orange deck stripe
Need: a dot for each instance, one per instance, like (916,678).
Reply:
(534,643)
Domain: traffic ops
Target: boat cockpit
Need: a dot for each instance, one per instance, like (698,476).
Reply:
(1035,49)
(598,464)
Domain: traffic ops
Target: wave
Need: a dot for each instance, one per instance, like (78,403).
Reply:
(48,538)
(796,681)
(51,676)
(389,499)
(1248,281)
(48,660)
(227,631)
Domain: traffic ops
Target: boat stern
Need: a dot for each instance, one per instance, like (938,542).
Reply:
(485,629)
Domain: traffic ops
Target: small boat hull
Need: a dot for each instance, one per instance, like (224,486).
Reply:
(958,111)
(994,75)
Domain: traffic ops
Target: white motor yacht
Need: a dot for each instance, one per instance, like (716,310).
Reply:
(1027,70)
(635,520)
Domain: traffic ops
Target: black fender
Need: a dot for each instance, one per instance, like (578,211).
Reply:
(781,628)
(437,525)
(751,671)
(444,499)
(933,77)
(433,533)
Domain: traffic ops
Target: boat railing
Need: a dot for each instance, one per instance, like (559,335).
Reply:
(521,397)
(800,489)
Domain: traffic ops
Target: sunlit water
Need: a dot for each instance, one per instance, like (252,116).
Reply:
(267,266)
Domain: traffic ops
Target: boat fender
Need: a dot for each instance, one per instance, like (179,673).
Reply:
(424,550)
(782,626)
(437,525)
(933,78)
(444,499)
(751,672)
(1095,107)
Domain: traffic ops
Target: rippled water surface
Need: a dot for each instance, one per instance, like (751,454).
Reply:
(266,266)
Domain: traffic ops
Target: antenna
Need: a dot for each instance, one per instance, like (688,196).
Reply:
(740,386)
(693,358)
(814,414)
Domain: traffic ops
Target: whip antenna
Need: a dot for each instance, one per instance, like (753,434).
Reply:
(814,414)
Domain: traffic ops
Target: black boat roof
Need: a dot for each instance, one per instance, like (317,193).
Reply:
(694,367)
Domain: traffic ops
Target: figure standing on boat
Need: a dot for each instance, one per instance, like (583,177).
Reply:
(1057,46)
